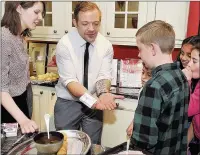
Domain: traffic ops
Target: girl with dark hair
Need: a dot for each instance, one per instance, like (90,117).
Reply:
(19,18)
(194,105)
(185,52)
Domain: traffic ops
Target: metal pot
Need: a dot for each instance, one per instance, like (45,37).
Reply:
(51,145)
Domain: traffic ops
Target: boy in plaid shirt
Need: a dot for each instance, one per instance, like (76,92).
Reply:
(160,121)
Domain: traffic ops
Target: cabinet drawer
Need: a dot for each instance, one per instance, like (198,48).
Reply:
(115,124)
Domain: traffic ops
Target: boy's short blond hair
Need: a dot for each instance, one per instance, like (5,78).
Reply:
(158,32)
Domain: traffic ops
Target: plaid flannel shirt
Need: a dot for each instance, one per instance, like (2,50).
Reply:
(160,121)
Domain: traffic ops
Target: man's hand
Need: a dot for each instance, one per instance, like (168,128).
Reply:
(108,100)
(129,130)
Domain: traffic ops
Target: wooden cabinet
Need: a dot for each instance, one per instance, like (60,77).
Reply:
(52,25)
(120,19)
(116,122)
(175,13)
(123,19)
(44,99)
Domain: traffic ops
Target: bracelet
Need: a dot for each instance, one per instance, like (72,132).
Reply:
(88,100)
(101,93)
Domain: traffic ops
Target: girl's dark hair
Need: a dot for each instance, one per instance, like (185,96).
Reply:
(11,17)
(196,46)
(192,40)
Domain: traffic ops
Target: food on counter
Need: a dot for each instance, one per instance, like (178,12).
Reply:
(46,77)
(63,149)
(33,78)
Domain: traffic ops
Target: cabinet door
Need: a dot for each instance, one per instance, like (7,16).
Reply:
(175,13)
(124,18)
(40,100)
(52,100)
(115,123)
(52,25)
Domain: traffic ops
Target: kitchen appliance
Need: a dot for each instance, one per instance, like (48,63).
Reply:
(122,147)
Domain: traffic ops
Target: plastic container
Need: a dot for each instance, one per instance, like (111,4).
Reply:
(40,65)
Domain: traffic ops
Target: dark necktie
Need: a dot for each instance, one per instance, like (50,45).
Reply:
(86,62)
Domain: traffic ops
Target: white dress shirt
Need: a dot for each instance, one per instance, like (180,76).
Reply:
(70,61)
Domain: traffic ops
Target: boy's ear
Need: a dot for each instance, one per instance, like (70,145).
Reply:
(74,22)
(153,49)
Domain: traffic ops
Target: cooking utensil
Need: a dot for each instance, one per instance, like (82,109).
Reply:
(47,118)
(28,135)
(127,145)
(49,145)
(18,140)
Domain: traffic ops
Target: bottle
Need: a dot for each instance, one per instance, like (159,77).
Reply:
(40,65)
(31,66)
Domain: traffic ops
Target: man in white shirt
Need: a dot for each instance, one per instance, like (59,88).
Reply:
(84,59)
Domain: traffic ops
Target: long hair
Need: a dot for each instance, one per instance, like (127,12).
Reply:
(11,17)
(191,41)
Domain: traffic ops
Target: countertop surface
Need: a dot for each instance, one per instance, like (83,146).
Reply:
(9,141)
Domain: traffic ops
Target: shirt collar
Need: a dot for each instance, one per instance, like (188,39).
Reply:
(81,41)
(169,66)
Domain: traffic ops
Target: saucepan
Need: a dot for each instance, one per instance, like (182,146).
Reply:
(49,145)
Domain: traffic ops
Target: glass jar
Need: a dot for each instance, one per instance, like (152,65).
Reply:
(40,65)
(31,66)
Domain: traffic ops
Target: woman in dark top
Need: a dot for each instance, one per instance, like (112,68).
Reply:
(19,18)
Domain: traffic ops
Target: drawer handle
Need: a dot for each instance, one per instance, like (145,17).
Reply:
(55,31)
(52,94)
(108,33)
(41,92)
(66,31)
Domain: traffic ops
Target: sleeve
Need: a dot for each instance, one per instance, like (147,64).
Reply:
(4,66)
(106,67)
(194,104)
(65,65)
(145,132)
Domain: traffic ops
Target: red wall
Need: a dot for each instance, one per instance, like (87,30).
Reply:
(193,19)
(122,52)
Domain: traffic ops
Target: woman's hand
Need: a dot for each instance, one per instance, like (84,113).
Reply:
(28,126)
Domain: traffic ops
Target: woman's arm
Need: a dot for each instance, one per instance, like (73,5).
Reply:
(25,123)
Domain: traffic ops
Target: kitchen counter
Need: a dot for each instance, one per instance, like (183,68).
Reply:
(9,141)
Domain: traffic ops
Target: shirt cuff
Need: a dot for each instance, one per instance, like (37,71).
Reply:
(66,82)
(88,100)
